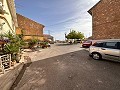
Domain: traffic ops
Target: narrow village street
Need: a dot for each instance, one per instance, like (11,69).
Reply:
(59,44)
(67,67)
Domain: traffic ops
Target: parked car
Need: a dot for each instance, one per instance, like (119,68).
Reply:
(87,44)
(52,42)
(106,49)
(78,41)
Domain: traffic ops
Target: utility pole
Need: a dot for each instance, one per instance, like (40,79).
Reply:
(89,34)
(65,36)
(49,32)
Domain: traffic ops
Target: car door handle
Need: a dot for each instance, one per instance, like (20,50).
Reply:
(103,48)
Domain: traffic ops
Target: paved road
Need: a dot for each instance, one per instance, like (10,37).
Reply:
(54,50)
(70,71)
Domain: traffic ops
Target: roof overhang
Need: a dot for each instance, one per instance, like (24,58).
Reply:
(90,10)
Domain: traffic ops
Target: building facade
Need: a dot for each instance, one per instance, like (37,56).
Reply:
(106,19)
(29,28)
(8,19)
(48,37)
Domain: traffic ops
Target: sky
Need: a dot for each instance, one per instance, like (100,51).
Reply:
(59,16)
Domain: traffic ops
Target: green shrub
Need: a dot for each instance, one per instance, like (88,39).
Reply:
(32,42)
(14,45)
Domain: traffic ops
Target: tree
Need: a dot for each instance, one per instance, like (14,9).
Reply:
(80,35)
(75,35)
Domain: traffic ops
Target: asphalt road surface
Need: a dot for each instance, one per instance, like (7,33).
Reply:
(73,70)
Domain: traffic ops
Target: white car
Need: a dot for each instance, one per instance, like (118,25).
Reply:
(106,49)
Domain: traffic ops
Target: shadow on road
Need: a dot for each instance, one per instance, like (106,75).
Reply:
(19,77)
(64,44)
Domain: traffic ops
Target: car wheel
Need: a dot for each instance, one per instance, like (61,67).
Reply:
(96,56)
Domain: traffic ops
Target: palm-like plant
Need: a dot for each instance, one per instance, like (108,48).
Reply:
(14,45)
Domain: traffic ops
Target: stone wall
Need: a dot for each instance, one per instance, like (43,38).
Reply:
(106,19)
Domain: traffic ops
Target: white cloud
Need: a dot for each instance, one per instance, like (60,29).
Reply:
(83,23)
(95,0)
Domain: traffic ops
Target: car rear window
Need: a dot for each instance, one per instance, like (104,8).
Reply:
(87,41)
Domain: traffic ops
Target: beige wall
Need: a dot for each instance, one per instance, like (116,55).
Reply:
(33,37)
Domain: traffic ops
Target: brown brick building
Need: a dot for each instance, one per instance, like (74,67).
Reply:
(106,19)
(29,28)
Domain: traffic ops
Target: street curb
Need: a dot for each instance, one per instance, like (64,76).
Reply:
(7,80)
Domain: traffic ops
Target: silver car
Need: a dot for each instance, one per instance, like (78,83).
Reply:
(106,49)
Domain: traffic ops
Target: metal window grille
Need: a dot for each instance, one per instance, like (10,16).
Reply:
(5,62)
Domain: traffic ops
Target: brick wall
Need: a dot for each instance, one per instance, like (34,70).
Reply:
(106,19)
(18,30)
(29,26)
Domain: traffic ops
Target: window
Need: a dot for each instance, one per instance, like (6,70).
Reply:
(118,45)
(88,41)
(98,44)
(112,45)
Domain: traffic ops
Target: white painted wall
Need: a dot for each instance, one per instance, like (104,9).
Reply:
(10,25)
